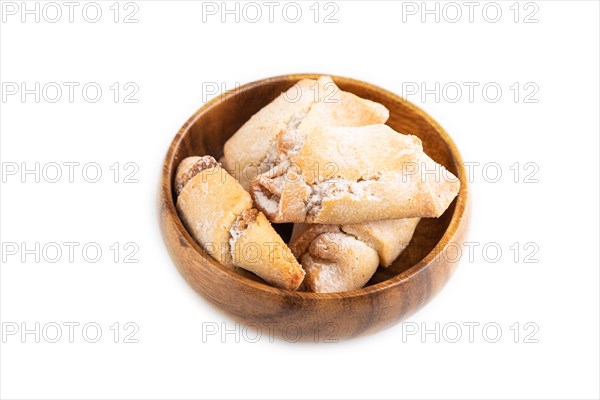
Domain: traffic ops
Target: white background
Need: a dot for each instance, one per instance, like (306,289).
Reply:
(171,55)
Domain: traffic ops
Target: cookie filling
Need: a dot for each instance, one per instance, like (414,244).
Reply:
(288,142)
(268,192)
(240,225)
(203,163)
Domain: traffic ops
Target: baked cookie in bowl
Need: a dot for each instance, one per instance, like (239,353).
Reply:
(353,264)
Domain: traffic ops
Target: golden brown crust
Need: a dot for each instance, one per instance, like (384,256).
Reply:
(355,175)
(259,249)
(309,103)
(219,215)
(388,237)
(354,153)
(343,109)
(344,257)
(208,205)
(337,262)
(245,151)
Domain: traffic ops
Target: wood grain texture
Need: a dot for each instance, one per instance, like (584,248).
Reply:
(391,295)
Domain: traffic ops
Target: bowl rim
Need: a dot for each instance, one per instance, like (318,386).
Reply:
(450,232)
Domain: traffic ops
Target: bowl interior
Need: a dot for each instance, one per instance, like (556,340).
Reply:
(208,130)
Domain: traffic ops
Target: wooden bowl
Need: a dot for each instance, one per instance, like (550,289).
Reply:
(392,294)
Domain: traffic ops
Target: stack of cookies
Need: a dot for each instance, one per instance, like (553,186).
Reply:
(323,159)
